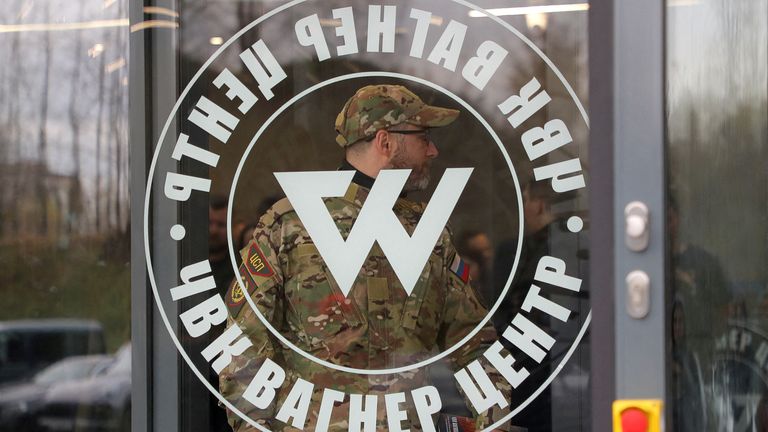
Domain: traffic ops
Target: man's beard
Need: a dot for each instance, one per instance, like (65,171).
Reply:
(216,247)
(419,178)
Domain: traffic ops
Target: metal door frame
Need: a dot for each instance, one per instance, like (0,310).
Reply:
(627,94)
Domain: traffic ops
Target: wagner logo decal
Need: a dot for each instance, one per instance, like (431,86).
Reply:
(375,223)
(243,103)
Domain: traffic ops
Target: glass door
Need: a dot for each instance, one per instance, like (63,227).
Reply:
(717,214)
(286,293)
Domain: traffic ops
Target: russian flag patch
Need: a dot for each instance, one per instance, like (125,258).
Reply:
(460,268)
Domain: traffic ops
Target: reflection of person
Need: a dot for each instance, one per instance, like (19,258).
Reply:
(701,310)
(540,224)
(700,284)
(689,411)
(379,325)
(476,248)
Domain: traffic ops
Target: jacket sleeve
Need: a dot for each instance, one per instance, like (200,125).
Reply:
(262,277)
(464,310)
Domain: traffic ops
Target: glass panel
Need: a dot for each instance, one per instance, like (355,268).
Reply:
(717,83)
(510,228)
(64,228)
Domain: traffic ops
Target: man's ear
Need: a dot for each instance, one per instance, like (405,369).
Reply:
(383,143)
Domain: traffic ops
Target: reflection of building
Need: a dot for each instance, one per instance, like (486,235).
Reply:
(37,203)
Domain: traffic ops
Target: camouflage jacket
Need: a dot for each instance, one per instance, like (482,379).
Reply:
(377,326)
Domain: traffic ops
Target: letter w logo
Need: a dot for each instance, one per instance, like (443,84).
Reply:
(376,221)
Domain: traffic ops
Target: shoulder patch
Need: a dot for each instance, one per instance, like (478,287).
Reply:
(460,268)
(235,297)
(256,263)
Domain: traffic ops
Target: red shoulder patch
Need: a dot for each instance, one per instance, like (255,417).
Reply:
(256,262)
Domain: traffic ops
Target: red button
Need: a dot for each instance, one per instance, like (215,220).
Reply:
(634,420)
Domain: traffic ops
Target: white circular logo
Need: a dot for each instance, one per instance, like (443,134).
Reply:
(448,56)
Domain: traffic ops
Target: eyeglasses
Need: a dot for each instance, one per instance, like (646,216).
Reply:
(425,132)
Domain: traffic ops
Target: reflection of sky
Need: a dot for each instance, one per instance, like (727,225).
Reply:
(22,77)
(717,54)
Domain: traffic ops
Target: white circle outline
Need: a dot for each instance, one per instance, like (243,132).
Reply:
(170,120)
(233,188)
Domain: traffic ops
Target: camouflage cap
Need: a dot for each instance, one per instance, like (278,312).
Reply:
(377,107)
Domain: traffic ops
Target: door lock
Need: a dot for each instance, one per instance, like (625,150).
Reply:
(636,226)
(638,294)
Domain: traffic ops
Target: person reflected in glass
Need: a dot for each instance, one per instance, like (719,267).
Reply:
(476,249)
(689,412)
(539,226)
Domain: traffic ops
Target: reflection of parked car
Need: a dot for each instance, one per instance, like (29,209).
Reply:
(28,346)
(99,403)
(20,402)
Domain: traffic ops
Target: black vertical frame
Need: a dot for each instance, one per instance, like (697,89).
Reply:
(601,204)
(152,92)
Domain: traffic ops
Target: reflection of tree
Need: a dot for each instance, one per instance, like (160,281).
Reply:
(42,149)
(14,128)
(99,134)
(74,123)
(63,120)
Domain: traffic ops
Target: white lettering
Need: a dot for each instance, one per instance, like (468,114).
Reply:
(346,31)
(310,33)
(539,141)
(483,395)
(190,287)
(479,69)
(212,118)
(263,387)
(362,416)
(505,365)
(225,347)
(556,171)
(551,270)
(395,415)
(420,33)
(381,30)
(296,404)
(524,106)
(267,76)
(326,408)
(525,340)
(179,187)
(534,300)
(200,318)
(184,148)
(236,89)
(426,401)
(448,47)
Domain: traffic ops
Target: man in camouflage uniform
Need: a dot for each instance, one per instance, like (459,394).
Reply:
(378,325)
